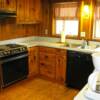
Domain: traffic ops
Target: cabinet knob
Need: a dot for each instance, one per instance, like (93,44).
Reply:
(49,72)
(34,57)
(7,1)
(42,64)
(61,79)
(46,57)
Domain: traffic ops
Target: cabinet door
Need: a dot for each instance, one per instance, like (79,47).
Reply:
(37,11)
(0,4)
(47,69)
(33,61)
(21,11)
(34,11)
(8,4)
(28,11)
(11,5)
(47,65)
(60,68)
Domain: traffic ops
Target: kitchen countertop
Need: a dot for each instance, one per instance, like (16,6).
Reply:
(56,45)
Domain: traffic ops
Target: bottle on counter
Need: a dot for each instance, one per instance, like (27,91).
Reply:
(63,37)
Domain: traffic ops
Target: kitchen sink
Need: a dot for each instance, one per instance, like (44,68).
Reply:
(87,47)
(70,45)
(97,49)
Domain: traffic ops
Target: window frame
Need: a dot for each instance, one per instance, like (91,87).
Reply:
(63,18)
(94,23)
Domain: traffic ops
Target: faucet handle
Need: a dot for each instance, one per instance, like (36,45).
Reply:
(98,45)
(84,44)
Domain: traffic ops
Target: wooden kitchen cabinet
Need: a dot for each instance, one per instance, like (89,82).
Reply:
(52,63)
(33,61)
(8,5)
(61,65)
(47,62)
(28,11)
(35,11)
(21,11)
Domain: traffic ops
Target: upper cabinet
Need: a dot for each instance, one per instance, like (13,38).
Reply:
(28,11)
(8,5)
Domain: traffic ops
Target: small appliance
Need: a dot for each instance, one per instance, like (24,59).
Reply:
(93,90)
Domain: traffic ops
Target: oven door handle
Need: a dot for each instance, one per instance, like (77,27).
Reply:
(14,58)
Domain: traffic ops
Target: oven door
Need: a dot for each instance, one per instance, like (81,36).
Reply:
(13,69)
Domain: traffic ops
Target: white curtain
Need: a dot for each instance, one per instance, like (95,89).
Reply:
(65,10)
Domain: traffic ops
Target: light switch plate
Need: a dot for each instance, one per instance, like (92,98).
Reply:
(82,34)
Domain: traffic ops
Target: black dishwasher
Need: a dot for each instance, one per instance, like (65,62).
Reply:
(79,67)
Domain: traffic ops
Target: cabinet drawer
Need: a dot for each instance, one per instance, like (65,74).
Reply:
(47,57)
(61,52)
(48,65)
(47,50)
(47,69)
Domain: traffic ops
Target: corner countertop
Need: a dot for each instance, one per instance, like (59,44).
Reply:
(51,42)
(55,45)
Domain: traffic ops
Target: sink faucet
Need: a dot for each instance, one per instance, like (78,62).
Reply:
(84,44)
(98,45)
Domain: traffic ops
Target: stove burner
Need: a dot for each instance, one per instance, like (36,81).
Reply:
(11,49)
(1,49)
(13,45)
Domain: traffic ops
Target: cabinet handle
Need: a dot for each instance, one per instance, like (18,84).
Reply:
(78,56)
(49,72)
(7,1)
(34,57)
(58,60)
(42,64)
(61,79)
(46,57)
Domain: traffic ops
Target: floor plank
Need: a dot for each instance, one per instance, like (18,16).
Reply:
(37,89)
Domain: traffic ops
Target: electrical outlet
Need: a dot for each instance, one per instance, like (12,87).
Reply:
(46,31)
(82,34)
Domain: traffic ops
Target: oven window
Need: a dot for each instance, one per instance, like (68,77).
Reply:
(14,70)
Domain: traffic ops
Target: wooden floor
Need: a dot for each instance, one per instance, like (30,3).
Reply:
(37,89)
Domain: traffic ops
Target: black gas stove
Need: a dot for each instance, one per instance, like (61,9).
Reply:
(11,49)
(13,63)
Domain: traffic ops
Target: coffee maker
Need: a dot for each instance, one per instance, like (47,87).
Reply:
(93,90)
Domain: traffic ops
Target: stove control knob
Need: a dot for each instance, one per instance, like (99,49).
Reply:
(22,49)
(5,53)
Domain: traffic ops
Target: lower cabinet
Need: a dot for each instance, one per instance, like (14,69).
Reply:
(47,62)
(33,61)
(61,66)
(52,63)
